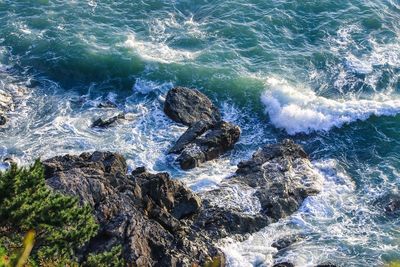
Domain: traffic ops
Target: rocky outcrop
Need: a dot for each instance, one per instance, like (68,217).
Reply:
(279,178)
(148,214)
(160,222)
(207,137)
(188,106)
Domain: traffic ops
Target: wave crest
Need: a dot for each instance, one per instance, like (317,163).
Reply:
(300,110)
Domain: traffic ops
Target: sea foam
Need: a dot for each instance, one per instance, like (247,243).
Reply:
(301,110)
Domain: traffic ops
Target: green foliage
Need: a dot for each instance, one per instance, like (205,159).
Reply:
(109,258)
(62,225)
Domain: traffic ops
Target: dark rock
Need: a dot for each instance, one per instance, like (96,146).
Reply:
(148,214)
(283,176)
(207,137)
(220,222)
(107,104)
(286,241)
(283,264)
(326,265)
(194,131)
(3,120)
(188,106)
(139,170)
(214,143)
(279,177)
(104,123)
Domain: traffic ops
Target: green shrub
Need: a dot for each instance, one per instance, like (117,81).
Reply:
(61,224)
(105,259)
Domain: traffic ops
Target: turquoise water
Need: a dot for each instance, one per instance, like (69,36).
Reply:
(325,73)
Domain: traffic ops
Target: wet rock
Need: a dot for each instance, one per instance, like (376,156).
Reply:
(214,143)
(188,106)
(150,215)
(279,177)
(326,265)
(284,264)
(207,137)
(194,131)
(283,176)
(287,241)
(107,104)
(3,120)
(104,123)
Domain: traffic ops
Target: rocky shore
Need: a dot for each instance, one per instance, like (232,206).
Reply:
(159,221)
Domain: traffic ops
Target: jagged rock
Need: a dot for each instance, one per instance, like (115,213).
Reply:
(207,136)
(280,177)
(188,106)
(283,176)
(160,222)
(194,131)
(104,123)
(208,147)
(148,214)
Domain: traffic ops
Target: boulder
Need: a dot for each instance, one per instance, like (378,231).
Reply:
(104,123)
(214,143)
(207,137)
(188,106)
(150,215)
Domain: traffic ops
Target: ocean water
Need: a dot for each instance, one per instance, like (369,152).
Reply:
(325,73)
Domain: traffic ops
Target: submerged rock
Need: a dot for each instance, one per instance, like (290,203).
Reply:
(188,106)
(150,215)
(287,241)
(107,104)
(207,137)
(104,123)
(390,203)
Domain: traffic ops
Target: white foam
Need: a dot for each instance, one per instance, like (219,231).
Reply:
(299,109)
(257,250)
(144,86)
(158,51)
